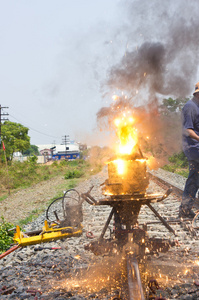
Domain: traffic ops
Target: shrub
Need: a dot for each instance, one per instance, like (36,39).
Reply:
(6,237)
(178,163)
(73,174)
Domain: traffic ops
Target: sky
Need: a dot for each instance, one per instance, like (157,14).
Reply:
(59,60)
(50,57)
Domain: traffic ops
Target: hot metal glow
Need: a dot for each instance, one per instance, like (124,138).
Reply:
(120,163)
(127,133)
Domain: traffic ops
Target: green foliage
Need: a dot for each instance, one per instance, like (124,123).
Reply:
(73,174)
(71,184)
(179,159)
(55,164)
(76,168)
(6,237)
(163,129)
(32,150)
(32,160)
(32,216)
(174,105)
(24,174)
(73,163)
(77,162)
(178,164)
(15,137)
(3,197)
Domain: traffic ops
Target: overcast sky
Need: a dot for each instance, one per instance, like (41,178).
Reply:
(55,57)
(51,64)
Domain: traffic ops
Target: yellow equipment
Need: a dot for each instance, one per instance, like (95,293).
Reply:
(64,215)
(47,234)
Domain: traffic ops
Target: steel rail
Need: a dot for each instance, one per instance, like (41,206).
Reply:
(134,279)
(175,189)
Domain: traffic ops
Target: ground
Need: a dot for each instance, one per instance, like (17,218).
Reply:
(19,205)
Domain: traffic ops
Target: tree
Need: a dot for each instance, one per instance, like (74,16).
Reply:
(33,150)
(15,137)
(172,105)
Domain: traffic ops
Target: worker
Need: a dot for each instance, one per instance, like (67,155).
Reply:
(190,141)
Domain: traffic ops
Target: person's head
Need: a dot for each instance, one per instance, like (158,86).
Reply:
(196,92)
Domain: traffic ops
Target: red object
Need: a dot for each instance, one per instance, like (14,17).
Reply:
(4,148)
(7,291)
(9,251)
(90,235)
(33,292)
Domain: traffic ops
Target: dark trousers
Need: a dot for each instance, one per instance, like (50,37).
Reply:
(191,186)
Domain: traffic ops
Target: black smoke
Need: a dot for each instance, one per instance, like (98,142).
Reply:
(160,61)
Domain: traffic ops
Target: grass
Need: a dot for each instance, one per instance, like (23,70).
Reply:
(28,173)
(25,174)
(36,212)
(32,216)
(3,197)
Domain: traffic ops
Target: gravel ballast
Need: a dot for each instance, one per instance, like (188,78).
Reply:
(73,273)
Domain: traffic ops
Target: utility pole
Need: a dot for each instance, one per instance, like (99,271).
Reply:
(65,140)
(2,119)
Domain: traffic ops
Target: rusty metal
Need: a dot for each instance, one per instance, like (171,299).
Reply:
(134,279)
(156,245)
(153,285)
(125,210)
(106,224)
(134,179)
(117,296)
(7,291)
(103,247)
(90,235)
(164,222)
(125,195)
(9,251)
(33,292)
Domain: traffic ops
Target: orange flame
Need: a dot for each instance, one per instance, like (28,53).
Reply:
(126,133)
(120,163)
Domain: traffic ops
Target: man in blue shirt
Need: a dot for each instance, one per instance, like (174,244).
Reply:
(190,142)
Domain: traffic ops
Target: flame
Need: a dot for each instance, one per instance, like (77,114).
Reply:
(127,133)
(120,163)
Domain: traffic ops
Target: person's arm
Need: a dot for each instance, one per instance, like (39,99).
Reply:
(192,134)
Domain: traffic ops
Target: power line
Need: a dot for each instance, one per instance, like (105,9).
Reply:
(35,129)
(65,140)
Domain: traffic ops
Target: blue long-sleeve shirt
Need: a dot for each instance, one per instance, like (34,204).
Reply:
(190,120)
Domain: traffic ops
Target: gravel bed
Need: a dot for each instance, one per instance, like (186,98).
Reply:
(73,273)
(172,178)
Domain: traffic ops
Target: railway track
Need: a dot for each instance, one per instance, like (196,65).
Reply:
(169,184)
(185,229)
(172,225)
(135,289)
(178,259)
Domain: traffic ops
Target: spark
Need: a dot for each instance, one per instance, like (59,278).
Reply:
(115,97)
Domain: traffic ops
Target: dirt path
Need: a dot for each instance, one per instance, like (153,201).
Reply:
(20,204)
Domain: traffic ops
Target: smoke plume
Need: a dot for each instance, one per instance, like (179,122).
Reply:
(160,61)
